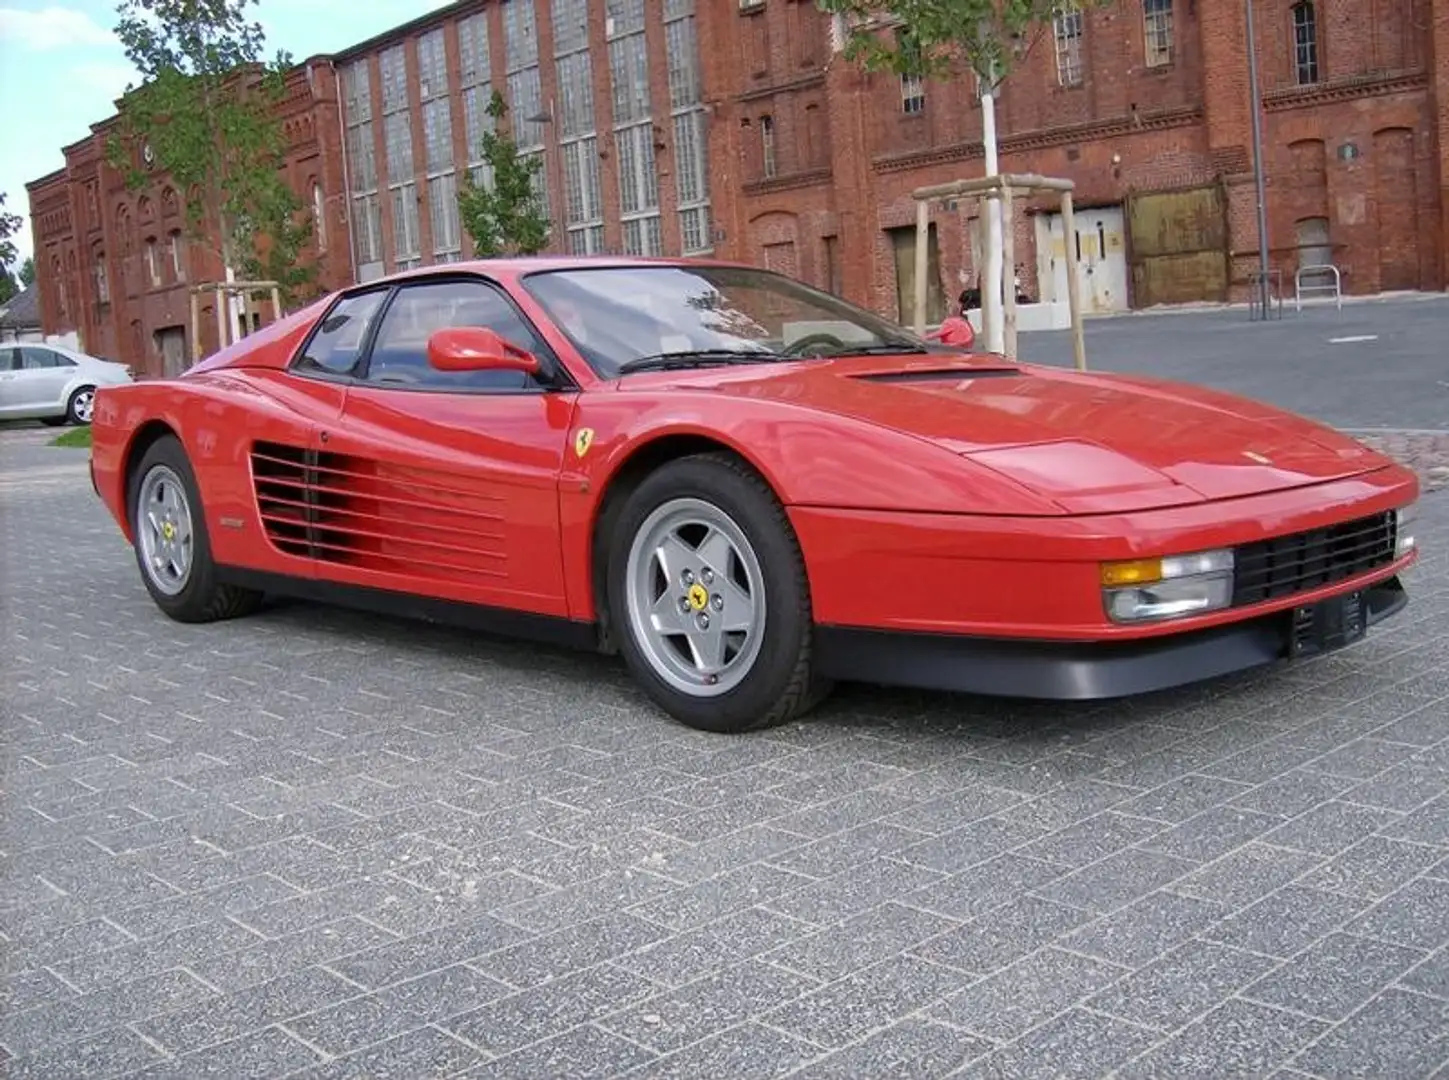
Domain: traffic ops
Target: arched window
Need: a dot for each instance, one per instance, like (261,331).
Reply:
(1305,43)
(319,215)
(153,264)
(102,280)
(767,143)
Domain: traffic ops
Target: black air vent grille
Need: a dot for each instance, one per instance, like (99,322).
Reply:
(1288,565)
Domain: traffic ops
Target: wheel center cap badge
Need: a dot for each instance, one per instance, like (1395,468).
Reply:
(698,596)
(168,530)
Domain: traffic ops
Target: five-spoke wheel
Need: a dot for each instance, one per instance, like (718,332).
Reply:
(707,590)
(164,530)
(173,550)
(696,597)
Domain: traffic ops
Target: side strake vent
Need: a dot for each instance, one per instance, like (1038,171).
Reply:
(340,508)
(942,375)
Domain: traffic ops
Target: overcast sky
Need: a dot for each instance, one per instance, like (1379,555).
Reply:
(61,70)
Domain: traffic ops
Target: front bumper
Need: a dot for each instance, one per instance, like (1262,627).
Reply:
(1072,670)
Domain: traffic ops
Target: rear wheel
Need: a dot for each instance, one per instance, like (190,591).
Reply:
(707,583)
(172,547)
(82,405)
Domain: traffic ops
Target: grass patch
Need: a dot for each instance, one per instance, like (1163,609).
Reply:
(77,437)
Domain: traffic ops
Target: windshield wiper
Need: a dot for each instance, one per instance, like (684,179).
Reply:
(881,349)
(694,358)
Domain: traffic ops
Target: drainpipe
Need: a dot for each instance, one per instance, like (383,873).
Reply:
(346,175)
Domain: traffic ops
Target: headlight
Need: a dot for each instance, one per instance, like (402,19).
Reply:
(1140,590)
(1403,523)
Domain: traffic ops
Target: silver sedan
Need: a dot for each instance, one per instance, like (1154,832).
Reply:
(53,384)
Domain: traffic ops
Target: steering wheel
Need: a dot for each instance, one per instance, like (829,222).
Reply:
(822,341)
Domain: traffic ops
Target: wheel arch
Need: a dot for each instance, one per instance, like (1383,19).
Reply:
(144,437)
(642,460)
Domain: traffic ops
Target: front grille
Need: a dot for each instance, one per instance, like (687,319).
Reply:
(1288,565)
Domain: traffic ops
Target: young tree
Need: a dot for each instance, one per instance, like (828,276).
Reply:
(933,38)
(27,271)
(9,225)
(205,115)
(506,216)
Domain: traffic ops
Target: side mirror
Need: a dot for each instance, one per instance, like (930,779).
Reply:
(476,348)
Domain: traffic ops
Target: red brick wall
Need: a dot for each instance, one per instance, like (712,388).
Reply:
(1366,148)
(1125,128)
(85,209)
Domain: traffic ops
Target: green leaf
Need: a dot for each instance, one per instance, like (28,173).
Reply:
(10,224)
(207,110)
(936,38)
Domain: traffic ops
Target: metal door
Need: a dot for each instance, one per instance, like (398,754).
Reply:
(1101,259)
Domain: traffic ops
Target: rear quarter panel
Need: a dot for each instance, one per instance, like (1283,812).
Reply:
(216,416)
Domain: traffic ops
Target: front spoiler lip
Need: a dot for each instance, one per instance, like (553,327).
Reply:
(1068,671)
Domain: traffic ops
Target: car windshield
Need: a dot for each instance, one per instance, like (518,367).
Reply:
(627,318)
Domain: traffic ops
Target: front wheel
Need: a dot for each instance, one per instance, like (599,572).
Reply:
(707,583)
(173,549)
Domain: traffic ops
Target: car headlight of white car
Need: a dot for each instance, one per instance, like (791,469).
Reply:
(1141,590)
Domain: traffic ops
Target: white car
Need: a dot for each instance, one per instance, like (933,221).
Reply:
(53,384)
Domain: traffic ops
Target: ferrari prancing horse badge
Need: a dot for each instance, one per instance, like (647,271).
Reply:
(583,440)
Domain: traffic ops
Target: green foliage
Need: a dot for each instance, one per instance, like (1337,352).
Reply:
(205,114)
(935,37)
(9,225)
(506,216)
(27,271)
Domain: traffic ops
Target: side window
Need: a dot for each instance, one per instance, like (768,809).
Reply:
(336,345)
(10,359)
(400,354)
(34,358)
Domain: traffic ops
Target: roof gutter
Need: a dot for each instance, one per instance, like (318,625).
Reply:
(346,172)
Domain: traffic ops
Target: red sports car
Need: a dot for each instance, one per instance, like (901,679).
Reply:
(748,487)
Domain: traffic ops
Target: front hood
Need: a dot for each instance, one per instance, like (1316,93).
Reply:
(1090,443)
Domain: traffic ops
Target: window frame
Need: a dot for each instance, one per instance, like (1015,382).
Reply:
(553,375)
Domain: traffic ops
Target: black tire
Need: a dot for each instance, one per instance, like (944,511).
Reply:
(72,413)
(55,421)
(781,685)
(203,599)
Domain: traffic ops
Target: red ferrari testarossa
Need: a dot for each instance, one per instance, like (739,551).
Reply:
(748,487)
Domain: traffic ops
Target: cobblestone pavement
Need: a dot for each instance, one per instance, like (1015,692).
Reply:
(313,843)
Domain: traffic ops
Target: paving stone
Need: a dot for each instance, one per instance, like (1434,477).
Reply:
(1396,1034)
(670,1021)
(1416,916)
(1333,977)
(1135,934)
(1182,984)
(1030,991)
(320,843)
(1075,1044)
(1287,921)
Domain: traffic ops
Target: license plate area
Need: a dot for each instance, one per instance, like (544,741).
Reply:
(1327,625)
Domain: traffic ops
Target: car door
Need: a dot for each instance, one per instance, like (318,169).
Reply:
(10,385)
(36,384)
(260,453)
(448,481)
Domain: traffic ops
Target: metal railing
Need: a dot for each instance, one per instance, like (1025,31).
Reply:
(1334,285)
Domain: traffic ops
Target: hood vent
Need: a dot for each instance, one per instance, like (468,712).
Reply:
(942,375)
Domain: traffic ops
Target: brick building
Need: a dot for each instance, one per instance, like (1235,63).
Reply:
(768,145)
(1144,104)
